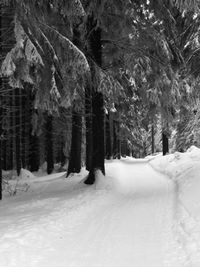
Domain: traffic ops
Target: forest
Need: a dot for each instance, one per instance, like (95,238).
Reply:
(84,81)
(99,133)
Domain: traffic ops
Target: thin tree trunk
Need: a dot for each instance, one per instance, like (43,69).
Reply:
(118,138)
(115,143)
(62,155)
(88,125)
(17,131)
(33,140)
(33,153)
(23,129)
(111,124)
(11,136)
(108,137)
(1,115)
(152,139)
(1,111)
(165,143)
(5,117)
(76,142)
(4,154)
(49,144)
(0,169)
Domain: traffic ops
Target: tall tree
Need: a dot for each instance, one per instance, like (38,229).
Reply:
(97,162)
(74,165)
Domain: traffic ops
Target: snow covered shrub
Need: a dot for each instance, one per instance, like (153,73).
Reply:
(13,187)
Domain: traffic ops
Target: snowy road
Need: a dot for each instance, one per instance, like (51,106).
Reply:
(131,224)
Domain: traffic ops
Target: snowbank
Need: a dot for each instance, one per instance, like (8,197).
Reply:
(184,170)
(177,164)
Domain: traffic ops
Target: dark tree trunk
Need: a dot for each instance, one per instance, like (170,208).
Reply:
(33,140)
(115,140)
(98,137)
(49,144)
(0,167)
(118,140)
(23,129)
(152,139)
(108,154)
(4,154)
(17,131)
(98,132)
(11,143)
(76,142)
(62,155)
(165,143)
(88,125)
(1,132)
(123,148)
(76,137)
(1,111)
(118,148)
(111,122)
(34,161)
(7,41)
(97,162)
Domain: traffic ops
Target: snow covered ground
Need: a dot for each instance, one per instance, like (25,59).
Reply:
(184,170)
(144,213)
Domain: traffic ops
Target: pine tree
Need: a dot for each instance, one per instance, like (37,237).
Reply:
(76,136)
(97,161)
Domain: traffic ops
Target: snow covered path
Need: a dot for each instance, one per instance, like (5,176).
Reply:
(129,222)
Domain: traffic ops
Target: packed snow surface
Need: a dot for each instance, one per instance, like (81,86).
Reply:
(144,213)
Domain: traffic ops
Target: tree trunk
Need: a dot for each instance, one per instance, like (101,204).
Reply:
(115,140)
(165,143)
(98,137)
(152,139)
(49,144)
(76,137)
(0,167)
(111,122)
(33,153)
(33,140)
(17,131)
(23,129)
(76,142)
(88,126)
(11,136)
(108,137)
(62,155)
(97,162)
(1,113)
(4,154)
(118,138)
